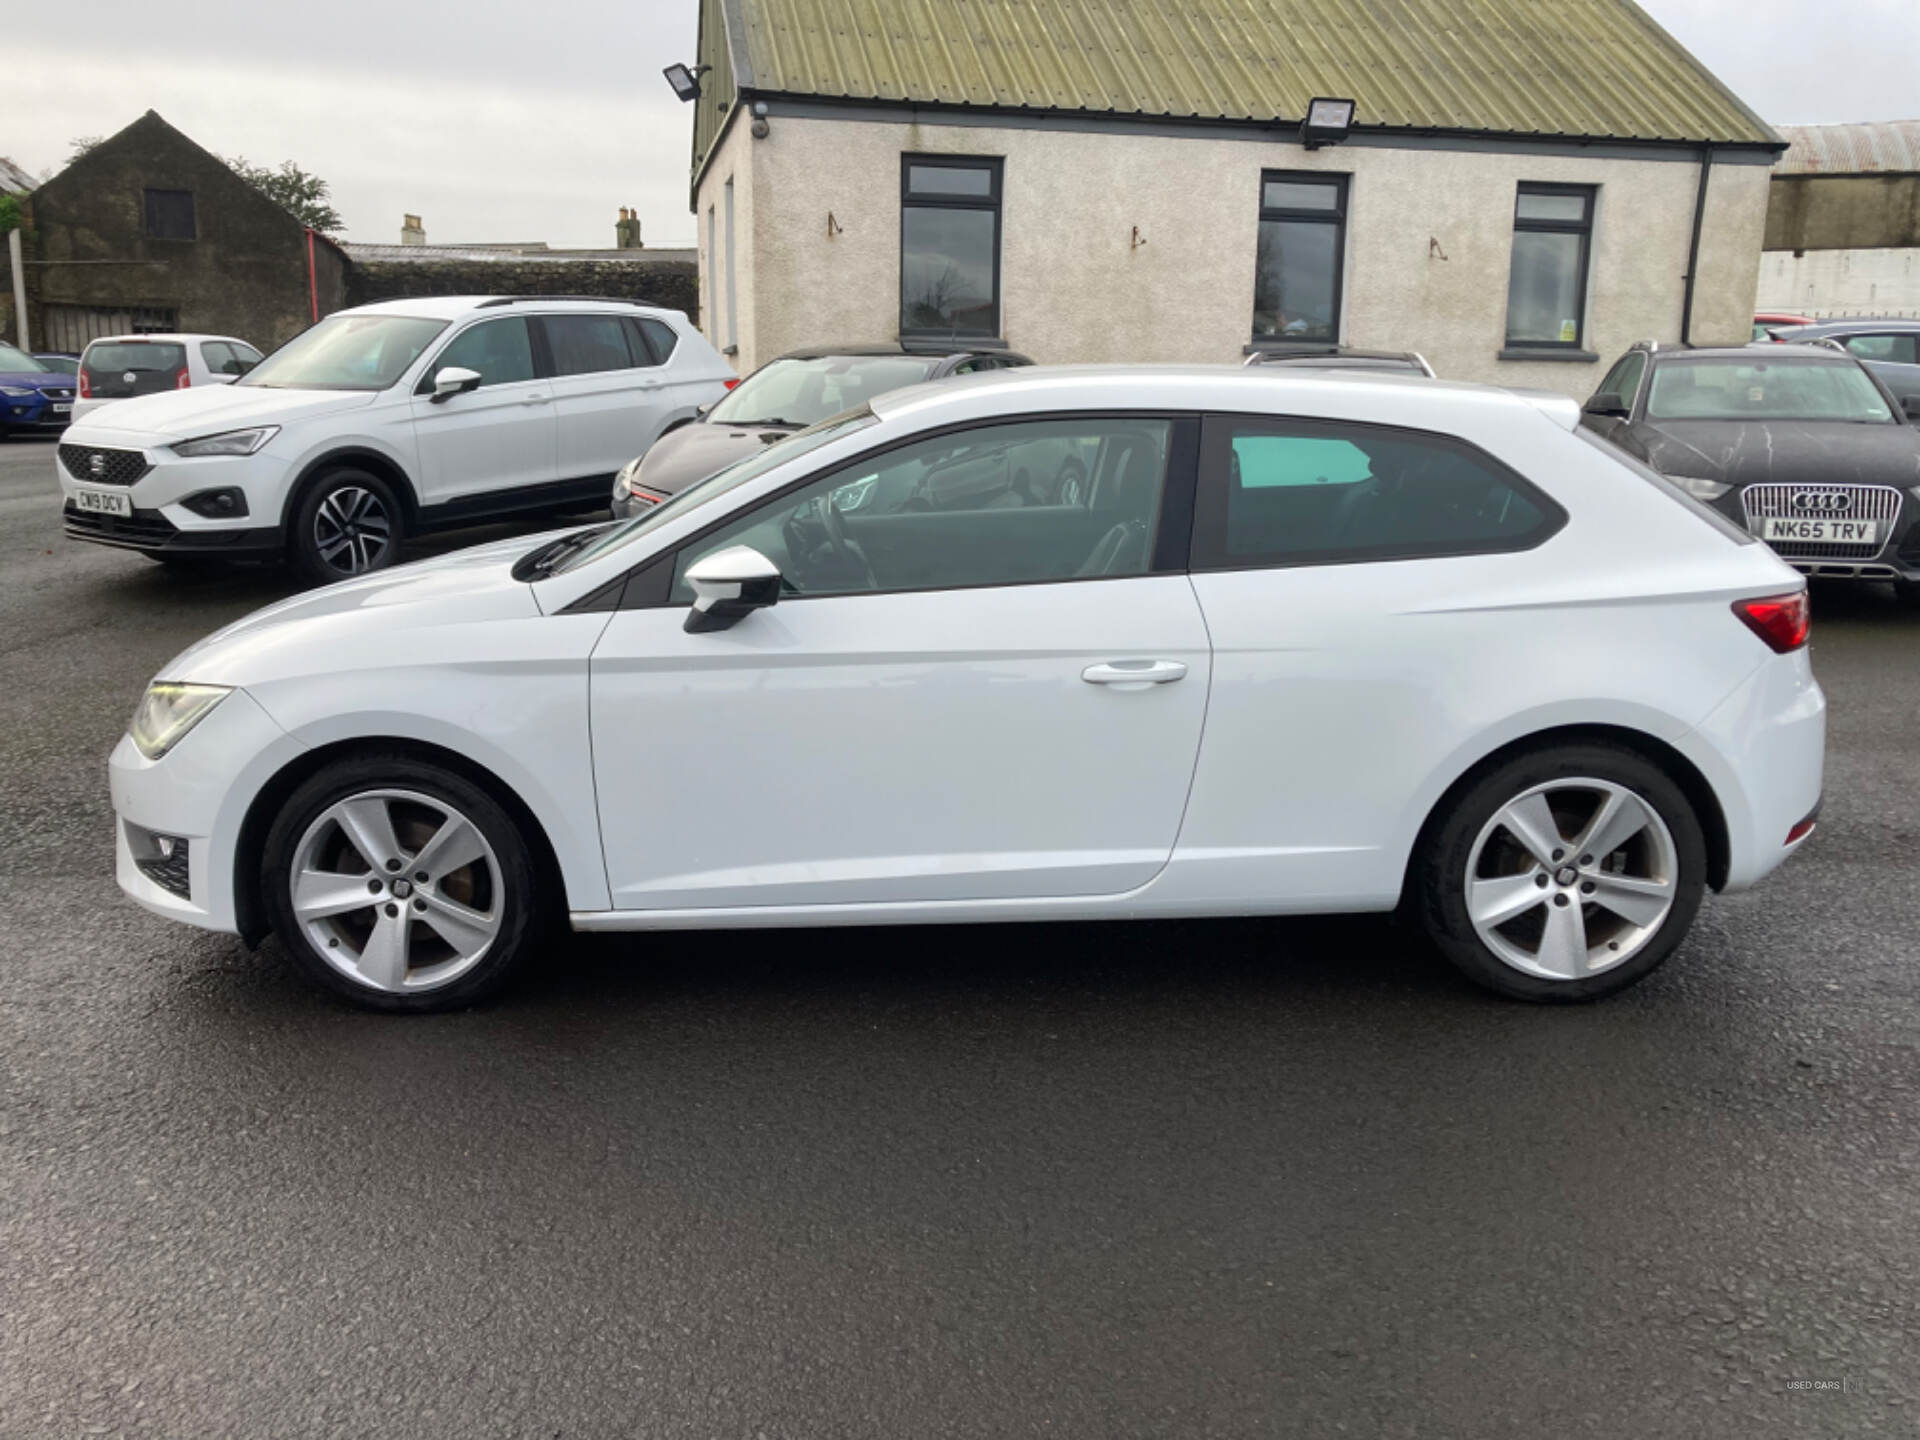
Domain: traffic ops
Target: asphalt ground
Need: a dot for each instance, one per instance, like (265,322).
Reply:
(1195,1179)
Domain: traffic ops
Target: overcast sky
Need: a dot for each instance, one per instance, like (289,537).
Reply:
(528,122)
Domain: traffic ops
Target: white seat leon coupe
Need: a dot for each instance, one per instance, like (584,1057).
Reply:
(1303,643)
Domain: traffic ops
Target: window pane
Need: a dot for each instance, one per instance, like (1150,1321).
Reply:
(218,355)
(662,335)
(1764,390)
(500,351)
(1543,288)
(946,270)
(1300,195)
(587,344)
(805,392)
(347,352)
(170,214)
(1023,503)
(1551,207)
(1896,349)
(1292,491)
(974,181)
(1294,280)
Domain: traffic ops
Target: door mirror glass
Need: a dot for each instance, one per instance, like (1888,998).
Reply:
(729,585)
(1608,404)
(454,380)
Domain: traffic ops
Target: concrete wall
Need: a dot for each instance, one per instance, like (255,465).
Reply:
(1824,283)
(1843,212)
(732,160)
(1074,289)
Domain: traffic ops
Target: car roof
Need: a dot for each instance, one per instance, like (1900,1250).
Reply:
(1752,353)
(1893,323)
(168,337)
(453,307)
(930,349)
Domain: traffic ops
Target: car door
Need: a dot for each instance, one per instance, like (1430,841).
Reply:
(974,704)
(610,398)
(498,436)
(1894,358)
(1357,582)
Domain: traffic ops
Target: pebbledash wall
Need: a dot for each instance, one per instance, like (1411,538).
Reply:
(1428,242)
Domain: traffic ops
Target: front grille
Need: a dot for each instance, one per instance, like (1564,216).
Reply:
(117,467)
(1879,503)
(169,872)
(143,530)
(53,394)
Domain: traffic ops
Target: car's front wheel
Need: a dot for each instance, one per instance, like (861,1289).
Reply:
(401,885)
(346,523)
(1564,874)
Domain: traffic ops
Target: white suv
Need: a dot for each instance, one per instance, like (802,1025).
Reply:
(386,420)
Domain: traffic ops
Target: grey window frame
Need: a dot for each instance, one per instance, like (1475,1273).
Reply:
(1336,217)
(995,166)
(1584,229)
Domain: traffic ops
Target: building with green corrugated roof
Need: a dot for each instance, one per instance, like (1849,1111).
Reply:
(1515,188)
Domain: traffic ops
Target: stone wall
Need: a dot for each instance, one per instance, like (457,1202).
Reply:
(672,285)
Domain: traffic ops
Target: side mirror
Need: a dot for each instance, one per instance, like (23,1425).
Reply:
(730,585)
(1608,404)
(1912,406)
(454,380)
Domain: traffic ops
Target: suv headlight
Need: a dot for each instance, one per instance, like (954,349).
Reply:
(232,442)
(168,711)
(1701,488)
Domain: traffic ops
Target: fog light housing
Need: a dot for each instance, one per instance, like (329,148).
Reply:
(229,502)
(162,859)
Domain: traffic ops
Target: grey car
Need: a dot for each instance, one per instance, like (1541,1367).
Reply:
(787,394)
(1889,348)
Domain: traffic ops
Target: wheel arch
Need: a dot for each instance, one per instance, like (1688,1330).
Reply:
(249,903)
(1651,748)
(367,458)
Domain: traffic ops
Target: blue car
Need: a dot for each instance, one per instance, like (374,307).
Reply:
(34,398)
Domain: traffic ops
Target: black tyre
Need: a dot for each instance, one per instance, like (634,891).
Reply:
(1564,874)
(347,522)
(401,885)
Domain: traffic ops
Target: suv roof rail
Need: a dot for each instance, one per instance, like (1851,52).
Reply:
(489,304)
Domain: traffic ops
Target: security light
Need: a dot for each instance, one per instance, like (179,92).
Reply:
(685,82)
(1327,122)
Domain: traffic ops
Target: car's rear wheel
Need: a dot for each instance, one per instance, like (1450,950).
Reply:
(1564,874)
(346,523)
(401,885)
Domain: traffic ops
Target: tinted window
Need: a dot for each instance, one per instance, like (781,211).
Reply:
(950,247)
(805,392)
(499,351)
(117,370)
(1624,379)
(588,344)
(1894,349)
(1547,274)
(1296,491)
(1796,389)
(1021,503)
(170,214)
(1296,268)
(652,338)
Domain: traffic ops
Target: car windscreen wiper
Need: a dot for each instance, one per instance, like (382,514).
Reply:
(757,424)
(543,560)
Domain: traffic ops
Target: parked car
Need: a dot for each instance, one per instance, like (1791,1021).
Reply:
(387,420)
(35,398)
(1799,443)
(119,367)
(1889,348)
(58,361)
(1340,357)
(798,389)
(1313,644)
(1765,322)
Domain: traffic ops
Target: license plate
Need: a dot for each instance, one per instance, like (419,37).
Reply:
(61,409)
(1829,532)
(102,502)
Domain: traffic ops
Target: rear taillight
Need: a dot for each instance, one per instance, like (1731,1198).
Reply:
(86,386)
(181,379)
(1780,620)
(731,383)
(1800,831)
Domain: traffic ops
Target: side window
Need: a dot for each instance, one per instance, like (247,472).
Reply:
(1893,349)
(219,357)
(1624,379)
(589,344)
(1285,492)
(246,357)
(1022,503)
(652,340)
(499,351)
(170,215)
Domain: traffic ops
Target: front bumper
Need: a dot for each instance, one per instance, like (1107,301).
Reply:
(152,533)
(34,416)
(1897,558)
(198,792)
(161,523)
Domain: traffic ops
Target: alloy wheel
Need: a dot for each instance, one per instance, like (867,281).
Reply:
(1571,878)
(352,530)
(396,890)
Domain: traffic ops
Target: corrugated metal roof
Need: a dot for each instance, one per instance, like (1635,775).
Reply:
(1586,68)
(14,180)
(1887,147)
(428,254)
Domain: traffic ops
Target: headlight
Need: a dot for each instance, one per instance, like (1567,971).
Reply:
(17,392)
(168,711)
(233,442)
(1700,488)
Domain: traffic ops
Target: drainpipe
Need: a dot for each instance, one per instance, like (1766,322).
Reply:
(1693,250)
(19,286)
(313,285)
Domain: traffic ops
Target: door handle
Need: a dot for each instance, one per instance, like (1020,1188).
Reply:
(534,400)
(1134,674)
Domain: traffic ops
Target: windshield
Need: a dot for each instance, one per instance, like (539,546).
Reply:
(805,392)
(346,352)
(18,362)
(720,483)
(1740,389)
